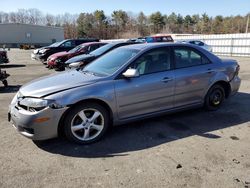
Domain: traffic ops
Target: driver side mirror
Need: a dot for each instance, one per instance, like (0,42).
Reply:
(75,65)
(131,73)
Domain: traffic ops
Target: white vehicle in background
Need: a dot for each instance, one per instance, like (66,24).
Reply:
(199,43)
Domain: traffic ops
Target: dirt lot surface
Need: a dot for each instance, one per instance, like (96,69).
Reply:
(195,148)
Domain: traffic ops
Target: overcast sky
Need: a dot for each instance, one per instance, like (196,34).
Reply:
(184,7)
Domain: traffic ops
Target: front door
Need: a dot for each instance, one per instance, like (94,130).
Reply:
(152,91)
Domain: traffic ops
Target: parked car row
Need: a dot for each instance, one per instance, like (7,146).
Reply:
(83,60)
(128,83)
(74,53)
(43,53)
(58,60)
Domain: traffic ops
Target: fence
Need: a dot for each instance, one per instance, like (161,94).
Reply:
(223,44)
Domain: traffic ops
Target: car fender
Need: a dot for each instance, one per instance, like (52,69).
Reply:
(218,77)
(103,91)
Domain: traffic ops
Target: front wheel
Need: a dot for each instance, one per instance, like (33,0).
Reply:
(215,97)
(86,123)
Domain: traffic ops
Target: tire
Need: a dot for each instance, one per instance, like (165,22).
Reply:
(214,98)
(86,123)
(5,83)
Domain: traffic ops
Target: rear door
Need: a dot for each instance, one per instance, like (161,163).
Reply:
(152,91)
(193,72)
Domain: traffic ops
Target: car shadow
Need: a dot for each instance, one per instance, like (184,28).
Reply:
(152,132)
(9,89)
(12,65)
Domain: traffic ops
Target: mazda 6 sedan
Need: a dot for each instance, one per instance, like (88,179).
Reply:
(126,84)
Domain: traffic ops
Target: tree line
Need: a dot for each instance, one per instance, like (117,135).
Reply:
(122,24)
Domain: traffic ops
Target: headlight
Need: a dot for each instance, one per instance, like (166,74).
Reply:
(58,60)
(36,104)
(43,51)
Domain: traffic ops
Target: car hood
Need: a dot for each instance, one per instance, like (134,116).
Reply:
(58,82)
(59,54)
(79,58)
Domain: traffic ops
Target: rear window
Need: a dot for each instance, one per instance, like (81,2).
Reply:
(187,57)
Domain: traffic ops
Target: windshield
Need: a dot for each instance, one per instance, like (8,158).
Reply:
(111,62)
(102,49)
(76,49)
(54,44)
(57,44)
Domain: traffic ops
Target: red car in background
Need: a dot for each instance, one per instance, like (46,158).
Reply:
(57,60)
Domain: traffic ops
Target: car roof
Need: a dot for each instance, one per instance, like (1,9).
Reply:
(90,43)
(149,46)
(154,45)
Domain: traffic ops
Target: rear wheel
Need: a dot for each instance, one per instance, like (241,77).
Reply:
(86,123)
(215,97)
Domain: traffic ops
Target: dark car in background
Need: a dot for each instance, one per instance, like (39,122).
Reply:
(159,38)
(85,59)
(43,53)
(3,57)
(57,60)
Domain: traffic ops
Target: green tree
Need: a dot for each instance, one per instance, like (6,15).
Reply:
(85,23)
(172,22)
(157,20)
(100,23)
(217,25)
(142,24)
(205,24)
(120,19)
(188,21)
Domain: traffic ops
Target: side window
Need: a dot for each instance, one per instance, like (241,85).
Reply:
(153,61)
(93,47)
(100,45)
(186,57)
(68,44)
(78,42)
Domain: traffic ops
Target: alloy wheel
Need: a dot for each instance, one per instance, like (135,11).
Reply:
(87,124)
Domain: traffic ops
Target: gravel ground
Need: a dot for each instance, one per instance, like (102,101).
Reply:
(194,148)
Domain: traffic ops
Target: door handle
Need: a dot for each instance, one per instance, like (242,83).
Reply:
(166,79)
(209,71)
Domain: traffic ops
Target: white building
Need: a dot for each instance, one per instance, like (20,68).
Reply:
(14,34)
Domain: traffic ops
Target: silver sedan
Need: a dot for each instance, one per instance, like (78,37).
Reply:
(126,84)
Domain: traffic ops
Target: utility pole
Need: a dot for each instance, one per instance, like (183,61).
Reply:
(247,23)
